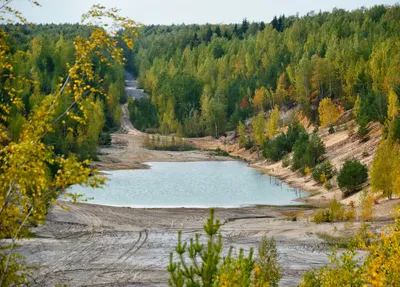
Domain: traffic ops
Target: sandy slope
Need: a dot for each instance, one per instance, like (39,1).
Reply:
(340,146)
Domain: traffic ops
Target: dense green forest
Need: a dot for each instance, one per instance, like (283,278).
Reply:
(43,53)
(204,79)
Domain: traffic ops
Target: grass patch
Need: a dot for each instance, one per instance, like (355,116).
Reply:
(157,142)
(335,241)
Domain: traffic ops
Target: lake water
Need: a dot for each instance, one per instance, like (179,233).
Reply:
(191,184)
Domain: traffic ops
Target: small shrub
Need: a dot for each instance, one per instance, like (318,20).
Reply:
(365,154)
(334,212)
(200,263)
(286,161)
(331,130)
(323,172)
(367,205)
(352,176)
(328,185)
(307,171)
(267,269)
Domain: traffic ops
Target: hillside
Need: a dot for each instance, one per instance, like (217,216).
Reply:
(341,146)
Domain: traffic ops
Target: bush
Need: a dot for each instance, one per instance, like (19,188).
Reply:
(267,269)
(167,143)
(331,130)
(335,212)
(328,185)
(308,152)
(277,148)
(283,144)
(352,176)
(323,172)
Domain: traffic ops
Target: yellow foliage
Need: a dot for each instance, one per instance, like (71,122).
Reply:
(273,122)
(393,108)
(385,171)
(367,211)
(328,112)
(380,268)
(259,99)
(31,174)
(259,124)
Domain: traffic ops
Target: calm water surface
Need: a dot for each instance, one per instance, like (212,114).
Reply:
(191,184)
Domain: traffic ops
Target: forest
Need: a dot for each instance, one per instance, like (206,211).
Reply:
(43,53)
(205,79)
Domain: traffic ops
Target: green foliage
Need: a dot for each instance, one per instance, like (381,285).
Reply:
(350,55)
(308,151)
(323,172)
(282,145)
(201,273)
(142,113)
(203,264)
(268,271)
(352,176)
(241,128)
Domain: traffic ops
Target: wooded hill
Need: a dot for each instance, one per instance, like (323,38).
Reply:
(204,79)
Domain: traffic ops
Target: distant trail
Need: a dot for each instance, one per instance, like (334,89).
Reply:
(131,91)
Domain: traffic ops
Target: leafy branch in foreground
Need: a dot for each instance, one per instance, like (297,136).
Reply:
(203,264)
(31,173)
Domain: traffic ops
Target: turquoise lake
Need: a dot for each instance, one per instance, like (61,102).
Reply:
(191,184)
